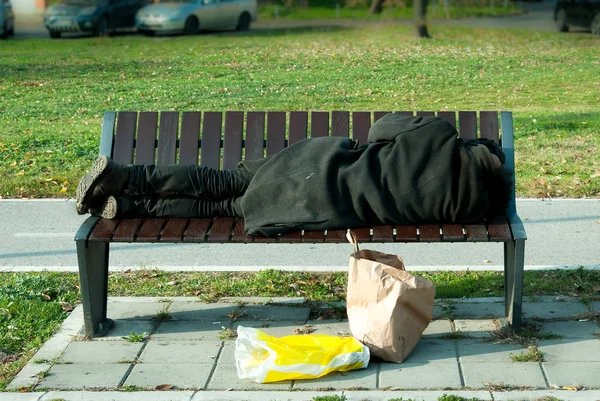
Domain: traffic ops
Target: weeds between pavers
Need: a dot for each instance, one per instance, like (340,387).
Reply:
(532,354)
(528,336)
(135,337)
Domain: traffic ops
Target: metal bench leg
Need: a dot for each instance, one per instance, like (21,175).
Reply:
(93,277)
(514,263)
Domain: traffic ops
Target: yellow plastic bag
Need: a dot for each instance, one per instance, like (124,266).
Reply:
(265,359)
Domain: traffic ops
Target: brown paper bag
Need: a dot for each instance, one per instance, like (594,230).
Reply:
(388,308)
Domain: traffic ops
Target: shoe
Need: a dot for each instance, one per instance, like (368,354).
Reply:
(105,178)
(109,209)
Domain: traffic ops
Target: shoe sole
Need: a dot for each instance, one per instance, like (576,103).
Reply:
(87,183)
(109,209)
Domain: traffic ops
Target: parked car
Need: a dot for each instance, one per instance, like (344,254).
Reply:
(7,19)
(100,17)
(191,16)
(578,13)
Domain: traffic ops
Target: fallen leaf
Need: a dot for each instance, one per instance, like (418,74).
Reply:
(161,387)
(67,307)
(295,286)
(487,261)
(596,288)
(174,282)
(570,388)
(300,282)
(46,297)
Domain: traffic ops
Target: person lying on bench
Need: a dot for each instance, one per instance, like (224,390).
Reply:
(414,170)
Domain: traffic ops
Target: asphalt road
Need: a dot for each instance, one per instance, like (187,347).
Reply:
(538,16)
(39,234)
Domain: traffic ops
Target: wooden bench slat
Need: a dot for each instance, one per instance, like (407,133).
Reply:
(425,113)
(190,135)
(298,126)
(232,143)
(221,228)
(264,239)
(174,230)
(196,231)
(103,230)
(467,124)
(499,229)
(449,116)
(275,132)
(362,234)
(378,114)
(255,135)
(452,233)
(146,138)
(151,229)
(126,230)
(291,238)
(488,121)
(476,233)
(361,123)
(429,233)
(125,136)
(314,236)
(210,153)
(167,137)
(319,124)
(383,233)
(406,233)
(238,234)
(336,236)
(340,123)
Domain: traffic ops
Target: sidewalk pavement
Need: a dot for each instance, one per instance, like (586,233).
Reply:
(186,351)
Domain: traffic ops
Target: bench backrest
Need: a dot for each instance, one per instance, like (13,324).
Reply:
(220,140)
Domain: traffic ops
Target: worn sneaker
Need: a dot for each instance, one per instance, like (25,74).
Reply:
(110,208)
(87,183)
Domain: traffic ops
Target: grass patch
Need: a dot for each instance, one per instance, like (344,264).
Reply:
(532,354)
(53,93)
(528,336)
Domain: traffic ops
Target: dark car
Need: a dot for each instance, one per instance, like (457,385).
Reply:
(100,17)
(578,13)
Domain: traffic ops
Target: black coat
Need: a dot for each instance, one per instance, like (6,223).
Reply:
(413,170)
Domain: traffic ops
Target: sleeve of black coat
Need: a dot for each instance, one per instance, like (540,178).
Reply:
(388,127)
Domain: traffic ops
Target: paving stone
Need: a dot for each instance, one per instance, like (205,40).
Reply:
(118,396)
(264,300)
(227,356)
(268,313)
(123,327)
(540,395)
(522,374)
(438,329)
(213,312)
(354,379)
(273,328)
(100,352)
(439,313)
(571,329)
(225,377)
(553,310)
(20,396)
(478,311)
(595,306)
(585,374)
(185,330)
(84,376)
(181,375)
(332,327)
(430,350)
(28,375)
(181,352)
(477,351)
(475,328)
(135,310)
(419,375)
(570,350)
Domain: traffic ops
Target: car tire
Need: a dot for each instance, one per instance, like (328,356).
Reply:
(561,21)
(102,29)
(55,34)
(149,33)
(596,25)
(243,22)
(191,26)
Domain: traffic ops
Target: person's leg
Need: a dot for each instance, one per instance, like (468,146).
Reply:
(127,206)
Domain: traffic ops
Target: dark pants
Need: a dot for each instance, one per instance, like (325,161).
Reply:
(184,191)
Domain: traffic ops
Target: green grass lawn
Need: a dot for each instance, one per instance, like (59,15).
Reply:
(48,296)
(53,92)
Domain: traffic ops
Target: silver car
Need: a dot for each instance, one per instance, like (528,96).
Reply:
(7,19)
(191,16)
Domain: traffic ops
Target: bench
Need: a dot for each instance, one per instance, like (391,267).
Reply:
(220,140)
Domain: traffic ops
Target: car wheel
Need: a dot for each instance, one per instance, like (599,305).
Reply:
(596,25)
(102,28)
(561,21)
(243,22)
(191,26)
(55,34)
